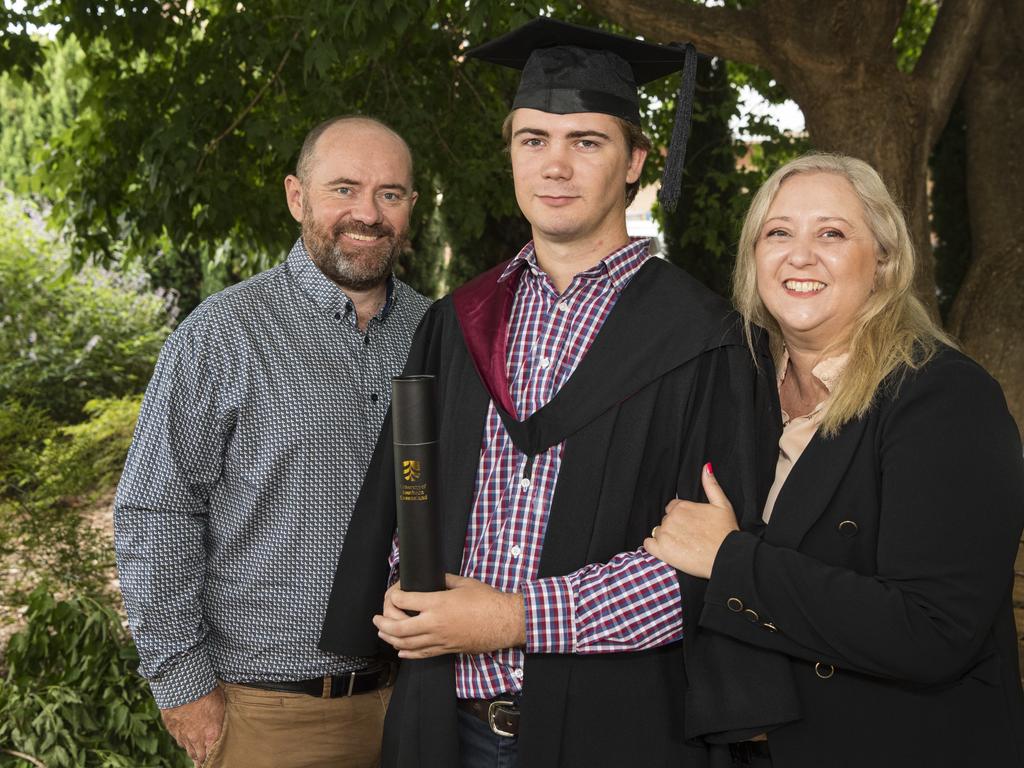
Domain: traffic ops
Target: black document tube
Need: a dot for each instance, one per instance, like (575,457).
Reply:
(414,424)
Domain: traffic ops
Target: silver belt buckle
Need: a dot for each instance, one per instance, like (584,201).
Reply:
(490,716)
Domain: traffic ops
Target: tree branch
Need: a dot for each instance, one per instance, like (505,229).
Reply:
(947,56)
(885,16)
(212,145)
(23,756)
(724,32)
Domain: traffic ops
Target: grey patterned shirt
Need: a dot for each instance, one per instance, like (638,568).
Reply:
(253,439)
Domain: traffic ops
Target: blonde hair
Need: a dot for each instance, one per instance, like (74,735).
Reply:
(892,329)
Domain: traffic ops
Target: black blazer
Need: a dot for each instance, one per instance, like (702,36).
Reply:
(885,575)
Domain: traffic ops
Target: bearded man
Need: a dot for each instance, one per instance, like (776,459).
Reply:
(252,443)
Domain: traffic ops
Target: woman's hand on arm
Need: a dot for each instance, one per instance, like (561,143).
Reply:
(690,534)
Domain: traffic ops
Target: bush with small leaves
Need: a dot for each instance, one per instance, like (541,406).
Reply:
(72,697)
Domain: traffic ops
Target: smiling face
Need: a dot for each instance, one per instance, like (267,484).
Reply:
(570,174)
(354,203)
(816,259)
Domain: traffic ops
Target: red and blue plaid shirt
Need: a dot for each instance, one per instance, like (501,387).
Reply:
(626,604)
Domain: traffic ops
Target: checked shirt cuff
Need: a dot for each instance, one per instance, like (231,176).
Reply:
(630,603)
(550,606)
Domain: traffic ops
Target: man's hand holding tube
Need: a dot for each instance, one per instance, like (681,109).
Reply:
(467,617)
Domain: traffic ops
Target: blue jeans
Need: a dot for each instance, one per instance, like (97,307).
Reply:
(482,748)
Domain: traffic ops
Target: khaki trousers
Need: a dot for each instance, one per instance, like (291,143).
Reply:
(269,729)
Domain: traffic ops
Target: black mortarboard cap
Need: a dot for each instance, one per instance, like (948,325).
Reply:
(568,68)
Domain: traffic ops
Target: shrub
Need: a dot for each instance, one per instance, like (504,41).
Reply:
(24,430)
(88,457)
(65,337)
(72,697)
(73,468)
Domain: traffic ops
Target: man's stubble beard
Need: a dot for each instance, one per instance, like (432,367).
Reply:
(357,269)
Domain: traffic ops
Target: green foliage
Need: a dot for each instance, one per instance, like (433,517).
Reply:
(233,93)
(33,112)
(72,697)
(19,50)
(72,347)
(194,113)
(24,431)
(89,456)
(67,338)
(913,31)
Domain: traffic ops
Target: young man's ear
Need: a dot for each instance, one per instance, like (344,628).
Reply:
(636,164)
(293,194)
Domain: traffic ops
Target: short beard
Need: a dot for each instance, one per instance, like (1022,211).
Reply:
(357,269)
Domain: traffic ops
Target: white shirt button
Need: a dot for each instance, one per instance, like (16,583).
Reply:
(524,483)
(516,551)
(544,362)
(517,673)
(564,306)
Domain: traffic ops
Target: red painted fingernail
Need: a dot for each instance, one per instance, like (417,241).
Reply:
(708,469)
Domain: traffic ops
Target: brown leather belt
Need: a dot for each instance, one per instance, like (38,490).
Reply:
(501,714)
(332,686)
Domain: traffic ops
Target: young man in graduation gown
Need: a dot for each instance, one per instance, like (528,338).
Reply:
(581,386)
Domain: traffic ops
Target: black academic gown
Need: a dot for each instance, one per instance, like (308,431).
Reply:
(668,384)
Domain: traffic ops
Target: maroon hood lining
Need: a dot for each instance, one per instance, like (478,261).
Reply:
(483,307)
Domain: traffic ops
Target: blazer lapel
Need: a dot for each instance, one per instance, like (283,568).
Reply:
(811,485)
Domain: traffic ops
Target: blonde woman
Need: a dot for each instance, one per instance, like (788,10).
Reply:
(885,566)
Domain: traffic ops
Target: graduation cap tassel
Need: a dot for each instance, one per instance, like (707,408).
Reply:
(672,178)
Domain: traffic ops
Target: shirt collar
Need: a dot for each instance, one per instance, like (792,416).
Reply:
(324,292)
(827,371)
(619,266)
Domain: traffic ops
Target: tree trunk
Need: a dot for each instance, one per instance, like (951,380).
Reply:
(988,314)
